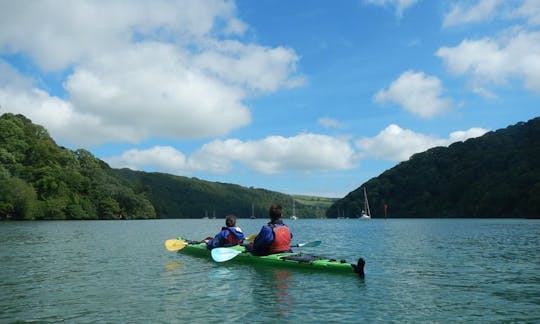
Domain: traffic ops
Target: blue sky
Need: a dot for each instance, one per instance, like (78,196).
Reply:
(302,97)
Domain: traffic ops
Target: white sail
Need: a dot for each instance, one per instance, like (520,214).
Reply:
(366,213)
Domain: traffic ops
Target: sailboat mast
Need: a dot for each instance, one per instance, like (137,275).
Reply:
(366,203)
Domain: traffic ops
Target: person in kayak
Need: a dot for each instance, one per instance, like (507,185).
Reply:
(274,237)
(229,235)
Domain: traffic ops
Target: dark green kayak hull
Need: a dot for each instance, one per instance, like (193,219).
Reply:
(283,260)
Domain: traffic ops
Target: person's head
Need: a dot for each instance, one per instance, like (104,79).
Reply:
(275,212)
(230,221)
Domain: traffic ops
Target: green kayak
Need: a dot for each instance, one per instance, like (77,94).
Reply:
(292,260)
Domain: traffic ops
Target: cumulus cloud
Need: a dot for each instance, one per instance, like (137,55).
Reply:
(417,93)
(160,68)
(529,10)
(58,33)
(165,158)
(461,14)
(17,94)
(458,136)
(397,144)
(167,98)
(494,61)
(465,12)
(271,155)
(251,66)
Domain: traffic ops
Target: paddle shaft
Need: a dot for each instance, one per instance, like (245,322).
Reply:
(223,254)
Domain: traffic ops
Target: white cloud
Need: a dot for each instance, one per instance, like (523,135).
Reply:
(465,12)
(400,5)
(511,55)
(163,158)
(18,95)
(330,122)
(251,66)
(464,135)
(397,144)
(483,10)
(146,69)
(166,98)
(274,154)
(416,92)
(530,10)
(481,91)
(58,33)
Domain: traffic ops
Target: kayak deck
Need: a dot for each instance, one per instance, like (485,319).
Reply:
(290,260)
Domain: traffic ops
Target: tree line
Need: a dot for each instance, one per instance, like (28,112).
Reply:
(495,175)
(40,181)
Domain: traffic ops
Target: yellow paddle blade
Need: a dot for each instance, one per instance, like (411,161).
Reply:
(251,238)
(175,244)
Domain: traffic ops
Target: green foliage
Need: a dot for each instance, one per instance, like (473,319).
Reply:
(18,199)
(182,197)
(40,180)
(43,181)
(496,175)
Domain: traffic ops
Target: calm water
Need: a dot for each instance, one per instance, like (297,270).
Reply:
(417,271)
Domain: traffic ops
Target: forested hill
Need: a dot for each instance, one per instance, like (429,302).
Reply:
(182,197)
(496,175)
(40,180)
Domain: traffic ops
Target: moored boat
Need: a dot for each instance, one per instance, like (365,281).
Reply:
(366,212)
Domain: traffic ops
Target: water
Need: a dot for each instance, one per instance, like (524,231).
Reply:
(434,270)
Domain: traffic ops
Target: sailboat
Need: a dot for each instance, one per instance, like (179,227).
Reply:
(293,211)
(366,213)
(252,212)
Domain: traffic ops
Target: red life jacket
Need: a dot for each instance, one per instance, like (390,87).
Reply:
(282,239)
(231,238)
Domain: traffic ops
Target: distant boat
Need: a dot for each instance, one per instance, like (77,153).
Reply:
(252,212)
(366,213)
(293,210)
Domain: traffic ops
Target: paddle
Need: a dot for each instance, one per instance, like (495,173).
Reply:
(251,238)
(175,244)
(308,244)
(223,254)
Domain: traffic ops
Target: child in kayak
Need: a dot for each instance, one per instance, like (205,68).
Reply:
(274,237)
(229,235)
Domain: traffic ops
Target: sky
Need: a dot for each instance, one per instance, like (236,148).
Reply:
(302,97)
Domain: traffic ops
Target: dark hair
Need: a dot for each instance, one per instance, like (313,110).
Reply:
(275,212)
(230,220)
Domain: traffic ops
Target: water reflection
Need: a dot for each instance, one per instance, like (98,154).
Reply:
(173,265)
(285,301)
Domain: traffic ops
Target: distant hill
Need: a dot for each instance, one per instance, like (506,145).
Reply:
(40,180)
(496,175)
(182,197)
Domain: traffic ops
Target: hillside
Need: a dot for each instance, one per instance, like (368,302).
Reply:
(496,175)
(182,197)
(40,180)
